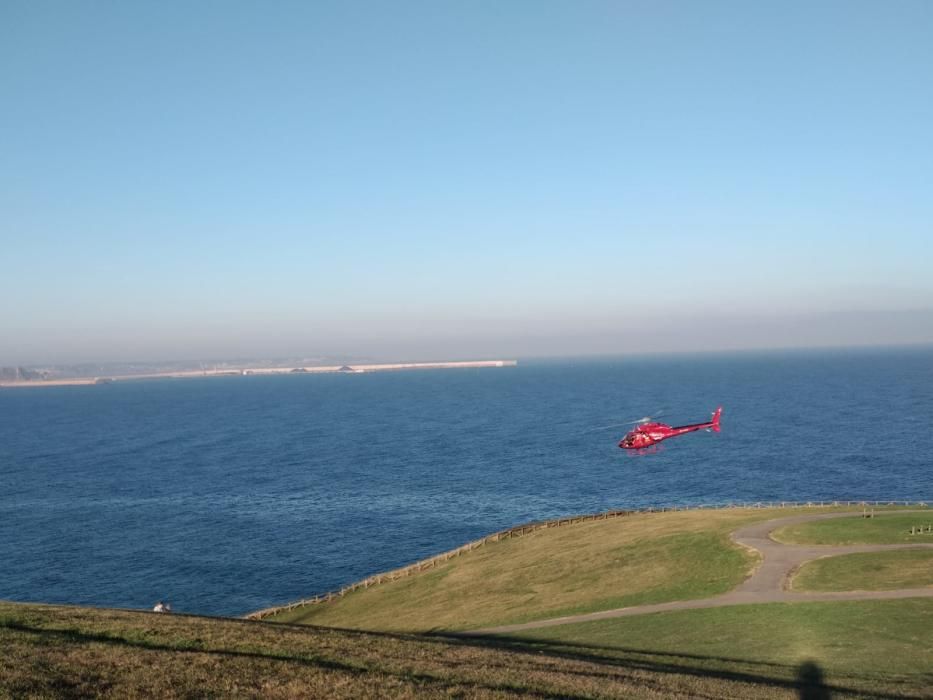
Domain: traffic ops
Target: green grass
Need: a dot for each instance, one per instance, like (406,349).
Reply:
(600,565)
(865,646)
(887,528)
(58,652)
(864,649)
(873,571)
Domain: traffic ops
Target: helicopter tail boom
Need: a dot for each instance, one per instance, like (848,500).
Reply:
(716,414)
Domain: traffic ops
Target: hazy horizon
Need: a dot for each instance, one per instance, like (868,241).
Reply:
(423,180)
(822,331)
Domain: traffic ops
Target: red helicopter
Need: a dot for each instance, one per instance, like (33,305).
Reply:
(648,433)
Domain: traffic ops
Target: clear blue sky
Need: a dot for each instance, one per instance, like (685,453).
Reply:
(441,179)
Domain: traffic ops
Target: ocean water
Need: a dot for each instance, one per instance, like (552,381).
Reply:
(225,495)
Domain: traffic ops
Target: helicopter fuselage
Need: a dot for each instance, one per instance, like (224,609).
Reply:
(648,434)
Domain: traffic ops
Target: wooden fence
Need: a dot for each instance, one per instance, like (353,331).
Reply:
(521,530)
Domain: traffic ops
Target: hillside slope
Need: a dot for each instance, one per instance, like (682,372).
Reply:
(66,652)
(640,559)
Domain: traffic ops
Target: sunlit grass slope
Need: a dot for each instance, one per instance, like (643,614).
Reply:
(864,648)
(884,528)
(874,571)
(598,565)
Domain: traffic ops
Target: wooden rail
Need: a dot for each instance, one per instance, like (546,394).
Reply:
(528,528)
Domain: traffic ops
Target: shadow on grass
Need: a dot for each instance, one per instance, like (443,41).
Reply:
(807,678)
(612,664)
(810,682)
(423,680)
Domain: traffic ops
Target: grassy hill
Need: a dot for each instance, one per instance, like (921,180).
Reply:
(885,528)
(874,571)
(878,650)
(598,565)
(399,639)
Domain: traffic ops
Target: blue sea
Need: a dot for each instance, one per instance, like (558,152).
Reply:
(225,495)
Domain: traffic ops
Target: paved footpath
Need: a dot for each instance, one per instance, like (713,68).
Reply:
(767,584)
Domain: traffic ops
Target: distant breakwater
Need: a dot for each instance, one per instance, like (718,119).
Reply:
(528,528)
(44,379)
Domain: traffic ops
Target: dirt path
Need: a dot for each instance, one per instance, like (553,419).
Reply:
(767,584)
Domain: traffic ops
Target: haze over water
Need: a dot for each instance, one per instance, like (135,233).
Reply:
(225,495)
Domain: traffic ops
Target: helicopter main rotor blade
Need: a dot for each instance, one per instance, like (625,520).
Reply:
(606,427)
(638,421)
(651,417)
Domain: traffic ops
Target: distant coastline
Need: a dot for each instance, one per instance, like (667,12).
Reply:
(247,371)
